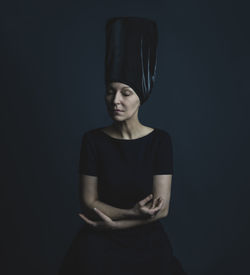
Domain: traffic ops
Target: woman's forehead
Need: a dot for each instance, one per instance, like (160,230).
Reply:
(118,85)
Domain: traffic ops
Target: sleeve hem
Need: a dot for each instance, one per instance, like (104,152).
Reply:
(88,173)
(166,172)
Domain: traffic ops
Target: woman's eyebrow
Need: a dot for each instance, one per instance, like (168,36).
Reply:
(126,87)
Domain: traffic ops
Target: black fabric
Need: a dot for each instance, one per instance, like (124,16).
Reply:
(131,53)
(125,170)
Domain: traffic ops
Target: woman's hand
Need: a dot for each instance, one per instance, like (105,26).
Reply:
(106,224)
(144,209)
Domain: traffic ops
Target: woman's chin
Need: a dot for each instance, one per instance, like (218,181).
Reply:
(116,118)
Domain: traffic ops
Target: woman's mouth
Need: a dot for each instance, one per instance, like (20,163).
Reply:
(117,110)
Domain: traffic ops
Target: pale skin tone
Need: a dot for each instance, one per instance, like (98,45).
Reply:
(141,208)
(102,216)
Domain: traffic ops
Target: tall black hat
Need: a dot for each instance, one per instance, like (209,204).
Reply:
(131,53)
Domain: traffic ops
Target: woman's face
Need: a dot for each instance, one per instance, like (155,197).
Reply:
(122,97)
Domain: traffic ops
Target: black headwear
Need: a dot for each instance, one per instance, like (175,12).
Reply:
(131,53)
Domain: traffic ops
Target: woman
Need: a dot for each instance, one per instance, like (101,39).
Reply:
(126,168)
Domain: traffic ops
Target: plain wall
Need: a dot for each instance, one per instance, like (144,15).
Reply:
(52,90)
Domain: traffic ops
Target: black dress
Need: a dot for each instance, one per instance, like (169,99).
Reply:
(125,170)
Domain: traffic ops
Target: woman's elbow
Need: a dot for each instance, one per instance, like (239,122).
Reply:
(89,204)
(164,212)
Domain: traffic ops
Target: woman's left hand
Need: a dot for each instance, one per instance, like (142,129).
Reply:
(106,224)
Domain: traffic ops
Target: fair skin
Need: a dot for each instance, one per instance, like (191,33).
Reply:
(102,216)
(126,124)
(108,224)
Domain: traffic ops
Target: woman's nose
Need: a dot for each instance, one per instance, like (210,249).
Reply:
(116,99)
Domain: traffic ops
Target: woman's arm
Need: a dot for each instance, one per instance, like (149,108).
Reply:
(145,208)
(123,224)
(108,224)
(114,213)
(89,200)
(161,187)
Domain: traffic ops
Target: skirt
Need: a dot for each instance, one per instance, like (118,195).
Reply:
(139,250)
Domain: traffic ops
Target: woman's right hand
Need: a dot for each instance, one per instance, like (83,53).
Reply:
(144,209)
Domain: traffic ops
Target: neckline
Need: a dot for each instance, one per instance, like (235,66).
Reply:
(134,139)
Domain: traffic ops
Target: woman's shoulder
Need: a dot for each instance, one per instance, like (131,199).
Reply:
(163,132)
(91,133)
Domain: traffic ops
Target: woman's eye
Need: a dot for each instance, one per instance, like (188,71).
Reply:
(127,93)
(111,92)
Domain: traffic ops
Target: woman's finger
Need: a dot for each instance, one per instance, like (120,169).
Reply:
(102,215)
(153,205)
(147,199)
(159,205)
(87,220)
(157,201)
(161,202)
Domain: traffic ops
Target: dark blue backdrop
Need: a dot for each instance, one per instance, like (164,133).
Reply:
(52,89)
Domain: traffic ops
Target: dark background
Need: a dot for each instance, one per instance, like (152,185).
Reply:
(52,90)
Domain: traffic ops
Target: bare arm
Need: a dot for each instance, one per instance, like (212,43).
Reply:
(113,212)
(123,224)
(161,189)
(108,224)
(126,217)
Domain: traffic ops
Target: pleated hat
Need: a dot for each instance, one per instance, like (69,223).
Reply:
(131,53)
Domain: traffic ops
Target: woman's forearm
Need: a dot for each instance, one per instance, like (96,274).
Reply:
(113,212)
(123,224)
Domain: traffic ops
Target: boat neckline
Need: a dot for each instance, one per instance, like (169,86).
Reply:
(120,139)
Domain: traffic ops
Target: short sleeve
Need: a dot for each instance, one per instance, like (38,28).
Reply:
(163,161)
(88,164)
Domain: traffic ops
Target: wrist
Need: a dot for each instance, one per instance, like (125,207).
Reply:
(132,213)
